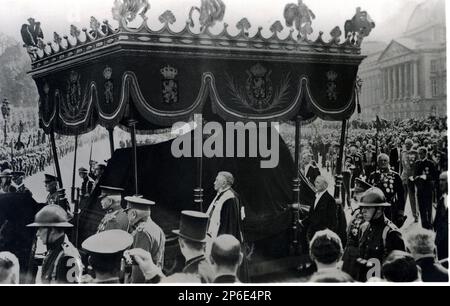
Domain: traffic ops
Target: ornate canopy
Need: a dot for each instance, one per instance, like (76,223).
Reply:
(104,76)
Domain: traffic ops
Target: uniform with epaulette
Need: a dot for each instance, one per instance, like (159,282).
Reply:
(351,252)
(377,236)
(62,263)
(391,184)
(355,163)
(87,184)
(57,196)
(147,235)
(115,217)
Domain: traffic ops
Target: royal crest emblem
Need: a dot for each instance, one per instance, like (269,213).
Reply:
(73,94)
(331,85)
(259,87)
(169,85)
(109,86)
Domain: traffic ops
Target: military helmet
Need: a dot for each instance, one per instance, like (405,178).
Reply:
(51,216)
(373,197)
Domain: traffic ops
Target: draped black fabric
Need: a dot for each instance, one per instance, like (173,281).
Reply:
(170,181)
(166,89)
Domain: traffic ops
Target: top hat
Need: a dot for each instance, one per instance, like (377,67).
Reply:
(193,226)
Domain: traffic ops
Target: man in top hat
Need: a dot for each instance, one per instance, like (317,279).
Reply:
(391,184)
(105,251)
(147,235)
(378,236)
(225,212)
(192,240)
(115,217)
(5,177)
(87,183)
(62,263)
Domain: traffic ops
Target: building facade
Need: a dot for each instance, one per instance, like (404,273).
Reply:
(407,77)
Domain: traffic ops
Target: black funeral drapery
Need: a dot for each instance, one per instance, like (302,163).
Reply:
(170,181)
(164,90)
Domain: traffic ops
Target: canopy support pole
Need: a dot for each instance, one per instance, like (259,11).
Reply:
(55,158)
(338,176)
(111,140)
(132,124)
(296,190)
(72,194)
(198,192)
(12,149)
(296,181)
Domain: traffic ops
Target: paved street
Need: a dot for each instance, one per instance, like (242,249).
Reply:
(100,152)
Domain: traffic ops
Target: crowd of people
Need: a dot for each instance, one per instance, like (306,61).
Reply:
(33,156)
(384,169)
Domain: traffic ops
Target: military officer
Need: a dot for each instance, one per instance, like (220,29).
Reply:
(351,252)
(62,263)
(369,159)
(391,184)
(147,235)
(353,168)
(51,186)
(87,183)
(5,177)
(354,161)
(55,196)
(18,184)
(115,217)
(105,251)
(378,235)
(426,176)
